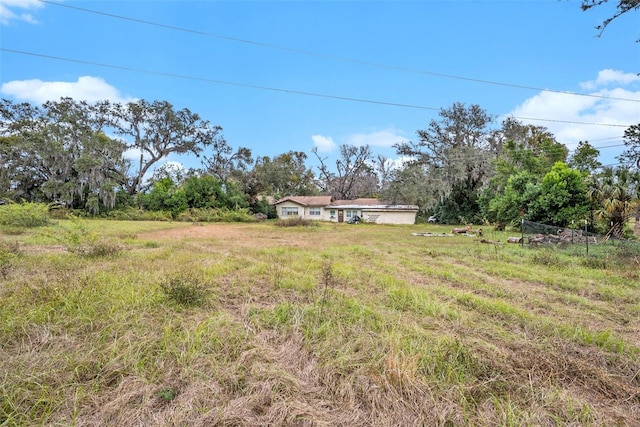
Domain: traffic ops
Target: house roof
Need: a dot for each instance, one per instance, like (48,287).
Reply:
(364,204)
(358,202)
(371,205)
(307,200)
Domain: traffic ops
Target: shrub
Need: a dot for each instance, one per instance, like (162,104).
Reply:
(184,290)
(215,215)
(135,214)
(297,222)
(80,241)
(24,215)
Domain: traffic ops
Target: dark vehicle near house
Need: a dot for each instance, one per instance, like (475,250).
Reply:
(354,219)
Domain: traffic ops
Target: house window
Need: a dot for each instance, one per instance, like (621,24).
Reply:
(289,211)
(351,212)
(314,211)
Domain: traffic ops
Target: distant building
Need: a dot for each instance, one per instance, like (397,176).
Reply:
(322,208)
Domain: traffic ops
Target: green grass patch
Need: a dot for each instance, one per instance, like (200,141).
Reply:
(252,324)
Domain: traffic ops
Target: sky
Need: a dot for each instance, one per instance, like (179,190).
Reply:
(291,75)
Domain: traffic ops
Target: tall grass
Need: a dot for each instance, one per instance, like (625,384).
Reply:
(251,324)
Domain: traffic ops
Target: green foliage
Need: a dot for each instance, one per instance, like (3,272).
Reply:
(167,394)
(297,222)
(79,240)
(456,154)
(560,199)
(136,214)
(203,192)
(25,215)
(165,196)
(508,208)
(585,158)
(282,175)
(616,193)
(216,215)
(8,252)
(460,206)
(185,290)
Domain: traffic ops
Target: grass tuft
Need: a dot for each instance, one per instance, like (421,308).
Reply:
(185,290)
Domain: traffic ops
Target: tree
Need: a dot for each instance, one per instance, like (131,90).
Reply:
(526,154)
(383,168)
(207,191)
(410,184)
(616,192)
(623,7)
(59,153)
(631,155)
(457,153)
(165,195)
(509,206)
(157,130)
(353,176)
(560,198)
(224,162)
(282,175)
(585,158)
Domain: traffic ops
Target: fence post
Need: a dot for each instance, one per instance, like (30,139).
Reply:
(572,227)
(522,232)
(586,237)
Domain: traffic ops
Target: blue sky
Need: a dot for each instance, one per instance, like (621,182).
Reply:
(243,64)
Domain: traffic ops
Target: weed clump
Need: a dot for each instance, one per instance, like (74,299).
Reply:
(297,222)
(547,257)
(8,252)
(78,240)
(185,290)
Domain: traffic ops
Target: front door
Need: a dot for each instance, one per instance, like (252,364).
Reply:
(340,215)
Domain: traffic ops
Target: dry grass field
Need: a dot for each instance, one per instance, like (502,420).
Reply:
(108,323)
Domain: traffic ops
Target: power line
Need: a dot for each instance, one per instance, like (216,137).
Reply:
(281,90)
(604,139)
(329,56)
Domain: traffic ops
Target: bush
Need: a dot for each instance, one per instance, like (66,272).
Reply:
(135,214)
(216,215)
(78,240)
(24,215)
(297,222)
(184,290)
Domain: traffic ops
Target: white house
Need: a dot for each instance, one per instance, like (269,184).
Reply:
(323,208)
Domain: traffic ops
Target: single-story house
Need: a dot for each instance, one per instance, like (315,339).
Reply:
(324,209)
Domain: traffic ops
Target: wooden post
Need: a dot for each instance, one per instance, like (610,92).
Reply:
(586,236)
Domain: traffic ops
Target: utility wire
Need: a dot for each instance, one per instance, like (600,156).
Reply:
(330,56)
(281,90)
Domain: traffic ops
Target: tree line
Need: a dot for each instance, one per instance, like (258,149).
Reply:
(462,168)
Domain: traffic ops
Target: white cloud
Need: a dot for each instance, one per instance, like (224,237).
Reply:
(11,10)
(594,110)
(324,144)
(383,138)
(610,77)
(86,88)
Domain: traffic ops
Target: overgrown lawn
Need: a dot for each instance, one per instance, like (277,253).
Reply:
(254,324)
